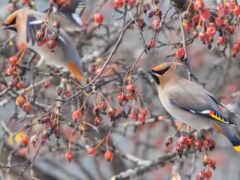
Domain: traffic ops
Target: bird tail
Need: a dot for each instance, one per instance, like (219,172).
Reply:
(73,68)
(231,133)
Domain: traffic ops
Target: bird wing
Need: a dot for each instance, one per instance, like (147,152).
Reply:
(33,25)
(196,100)
(70,10)
(72,6)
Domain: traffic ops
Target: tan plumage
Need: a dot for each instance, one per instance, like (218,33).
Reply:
(27,22)
(190,103)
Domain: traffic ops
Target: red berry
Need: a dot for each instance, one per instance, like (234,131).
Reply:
(180,53)
(24,140)
(198,4)
(108,155)
(111,112)
(92,151)
(92,68)
(207,143)
(13,60)
(141,117)
(232,5)
(195,19)
(51,44)
(187,26)
(198,144)
(236,10)
(22,151)
(24,2)
(102,106)
(130,87)
(231,29)
(128,96)
(20,100)
(121,97)
(220,40)
(201,35)
(98,18)
(42,42)
(76,114)
(133,114)
(156,24)
(144,112)
(118,3)
(179,149)
(3,86)
(131,3)
(27,108)
(10,70)
(201,175)
(69,156)
(212,164)
(182,140)
(119,110)
(204,14)
(151,44)
(47,84)
(98,120)
(190,140)
(208,174)
(21,45)
(19,85)
(223,10)
(219,21)
(68,93)
(211,31)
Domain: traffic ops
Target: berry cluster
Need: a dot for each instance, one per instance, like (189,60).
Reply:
(208,164)
(108,155)
(45,37)
(186,142)
(212,24)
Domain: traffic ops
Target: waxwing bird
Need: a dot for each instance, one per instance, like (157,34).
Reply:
(31,30)
(190,103)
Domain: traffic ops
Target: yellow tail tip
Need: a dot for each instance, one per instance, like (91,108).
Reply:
(237,148)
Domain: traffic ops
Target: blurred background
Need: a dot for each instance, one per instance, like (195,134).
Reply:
(219,73)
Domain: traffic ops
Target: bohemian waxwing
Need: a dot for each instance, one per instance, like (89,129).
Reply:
(27,23)
(190,103)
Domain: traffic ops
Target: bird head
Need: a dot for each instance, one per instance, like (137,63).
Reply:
(163,71)
(11,23)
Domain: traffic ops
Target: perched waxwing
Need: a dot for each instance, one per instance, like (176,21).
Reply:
(190,103)
(35,34)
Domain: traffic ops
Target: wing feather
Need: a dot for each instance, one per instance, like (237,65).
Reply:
(196,100)
(33,25)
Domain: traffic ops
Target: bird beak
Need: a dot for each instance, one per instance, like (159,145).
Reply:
(9,27)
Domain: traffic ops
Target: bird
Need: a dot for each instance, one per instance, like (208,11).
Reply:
(31,30)
(188,102)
